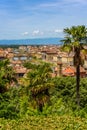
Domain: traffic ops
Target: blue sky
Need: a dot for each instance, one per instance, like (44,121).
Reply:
(21,19)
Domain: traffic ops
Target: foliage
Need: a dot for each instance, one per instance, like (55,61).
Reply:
(19,106)
(65,88)
(30,65)
(6,75)
(40,83)
(45,123)
(9,104)
(17,102)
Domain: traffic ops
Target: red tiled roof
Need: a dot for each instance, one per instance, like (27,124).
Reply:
(71,71)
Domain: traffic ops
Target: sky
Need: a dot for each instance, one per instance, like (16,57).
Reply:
(22,19)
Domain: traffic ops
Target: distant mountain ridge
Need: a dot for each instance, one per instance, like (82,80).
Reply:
(33,41)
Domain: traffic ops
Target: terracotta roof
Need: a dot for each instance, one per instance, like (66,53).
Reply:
(2,53)
(16,62)
(19,69)
(51,52)
(71,71)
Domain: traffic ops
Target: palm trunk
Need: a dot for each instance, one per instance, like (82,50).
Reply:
(77,59)
(78,85)
(40,107)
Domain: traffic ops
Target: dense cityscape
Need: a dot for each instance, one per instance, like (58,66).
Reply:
(48,53)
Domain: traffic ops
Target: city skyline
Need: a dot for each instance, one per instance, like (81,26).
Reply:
(21,19)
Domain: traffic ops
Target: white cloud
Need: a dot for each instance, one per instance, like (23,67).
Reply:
(25,33)
(58,30)
(37,32)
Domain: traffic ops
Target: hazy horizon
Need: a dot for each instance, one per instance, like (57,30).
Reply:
(32,41)
(34,38)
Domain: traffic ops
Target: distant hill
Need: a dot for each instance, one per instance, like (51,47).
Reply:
(35,41)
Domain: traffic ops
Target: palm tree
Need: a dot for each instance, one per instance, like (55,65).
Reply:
(40,84)
(73,41)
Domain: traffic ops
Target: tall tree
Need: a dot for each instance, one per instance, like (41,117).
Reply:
(73,41)
(40,83)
